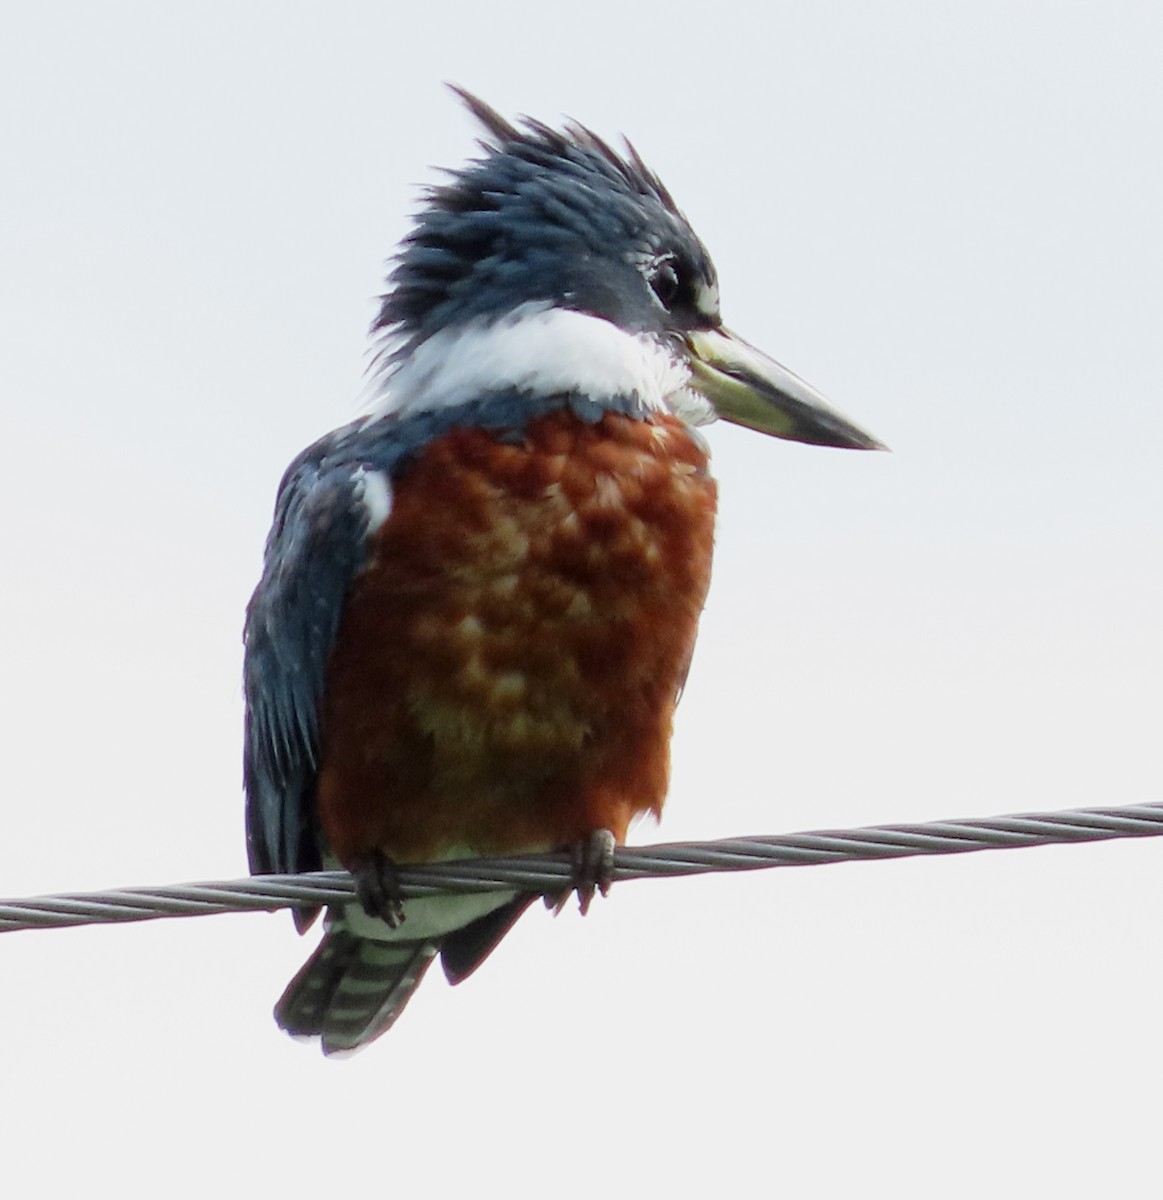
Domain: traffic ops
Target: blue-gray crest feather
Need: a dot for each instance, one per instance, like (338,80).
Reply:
(544,215)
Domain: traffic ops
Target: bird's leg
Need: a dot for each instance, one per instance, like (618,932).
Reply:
(377,886)
(591,870)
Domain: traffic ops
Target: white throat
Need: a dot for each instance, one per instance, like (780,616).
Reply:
(537,350)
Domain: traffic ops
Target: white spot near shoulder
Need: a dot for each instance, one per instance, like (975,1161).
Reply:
(538,350)
(375,494)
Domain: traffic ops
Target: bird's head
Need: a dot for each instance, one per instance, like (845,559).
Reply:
(556,265)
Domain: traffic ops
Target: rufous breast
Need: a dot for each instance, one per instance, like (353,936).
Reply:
(507,666)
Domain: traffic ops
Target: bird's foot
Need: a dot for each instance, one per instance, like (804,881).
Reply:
(591,870)
(377,887)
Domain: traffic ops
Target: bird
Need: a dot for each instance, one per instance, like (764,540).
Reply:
(479,599)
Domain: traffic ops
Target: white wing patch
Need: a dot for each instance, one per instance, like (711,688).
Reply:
(538,350)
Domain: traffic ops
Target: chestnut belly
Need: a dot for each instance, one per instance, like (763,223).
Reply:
(507,666)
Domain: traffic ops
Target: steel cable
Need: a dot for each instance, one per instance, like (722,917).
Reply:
(549,874)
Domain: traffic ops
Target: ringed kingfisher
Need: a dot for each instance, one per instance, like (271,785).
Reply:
(479,600)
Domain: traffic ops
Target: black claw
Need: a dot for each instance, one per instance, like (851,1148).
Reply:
(378,888)
(592,870)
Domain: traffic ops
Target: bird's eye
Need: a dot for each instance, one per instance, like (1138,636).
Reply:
(664,282)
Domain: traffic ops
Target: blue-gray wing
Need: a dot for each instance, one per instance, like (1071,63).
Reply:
(317,546)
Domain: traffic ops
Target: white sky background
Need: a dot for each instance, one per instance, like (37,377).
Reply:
(947,217)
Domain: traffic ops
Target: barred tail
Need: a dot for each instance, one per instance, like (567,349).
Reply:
(352,989)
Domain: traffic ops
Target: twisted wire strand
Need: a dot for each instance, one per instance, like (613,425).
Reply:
(550,874)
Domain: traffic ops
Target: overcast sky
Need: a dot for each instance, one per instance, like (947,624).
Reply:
(947,217)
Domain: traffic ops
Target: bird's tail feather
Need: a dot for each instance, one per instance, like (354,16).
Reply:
(464,949)
(352,989)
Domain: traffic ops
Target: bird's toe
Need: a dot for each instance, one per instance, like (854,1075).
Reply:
(378,888)
(591,870)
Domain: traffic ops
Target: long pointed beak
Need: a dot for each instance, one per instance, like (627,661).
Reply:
(745,386)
